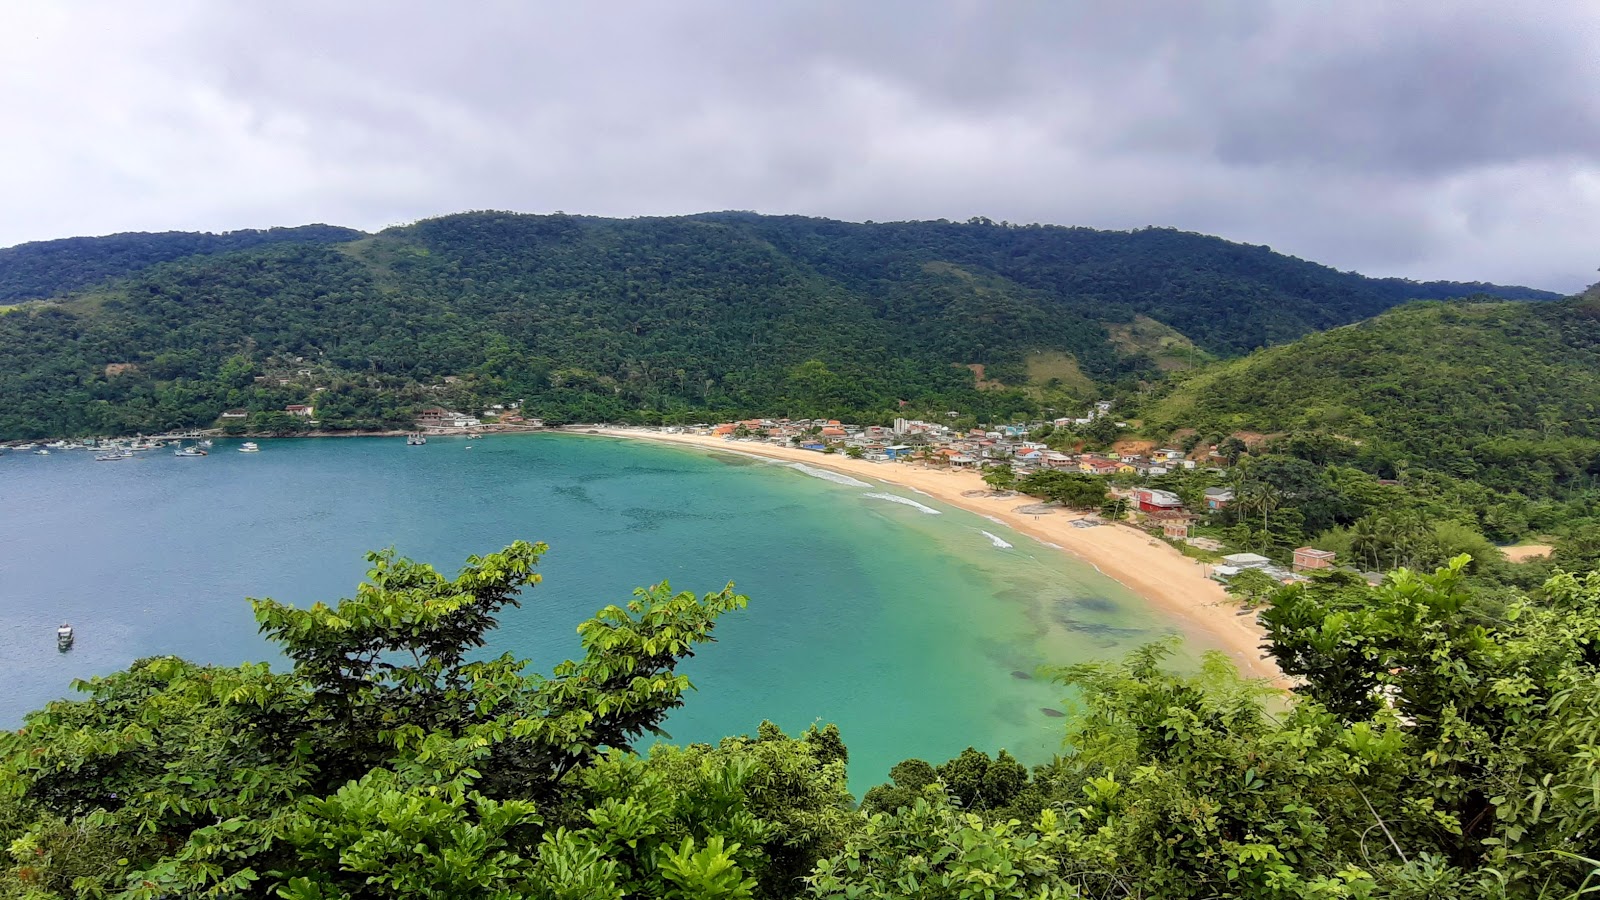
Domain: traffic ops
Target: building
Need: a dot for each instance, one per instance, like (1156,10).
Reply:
(1151,500)
(1218,498)
(1246,561)
(304,412)
(1307,559)
(232,414)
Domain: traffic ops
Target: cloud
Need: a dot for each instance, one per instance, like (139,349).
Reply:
(1455,140)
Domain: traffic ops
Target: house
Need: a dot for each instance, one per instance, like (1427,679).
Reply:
(897,451)
(833,431)
(304,412)
(1308,558)
(1100,466)
(1218,498)
(235,414)
(1151,500)
(818,446)
(434,417)
(1246,561)
(723,430)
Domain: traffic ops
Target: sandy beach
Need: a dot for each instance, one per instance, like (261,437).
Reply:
(1174,584)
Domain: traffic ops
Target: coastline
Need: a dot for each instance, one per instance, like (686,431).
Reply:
(1169,581)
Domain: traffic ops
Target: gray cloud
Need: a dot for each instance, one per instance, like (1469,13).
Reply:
(1435,140)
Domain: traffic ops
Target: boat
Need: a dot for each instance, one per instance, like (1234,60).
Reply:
(64,637)
(415,439)
(205,444)
(190,451)
(41,452)
(113,456)
(249,447)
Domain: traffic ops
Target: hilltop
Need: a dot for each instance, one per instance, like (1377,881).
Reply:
(639,319)
(1506,394)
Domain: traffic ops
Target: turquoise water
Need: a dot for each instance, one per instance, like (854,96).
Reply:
(898,619)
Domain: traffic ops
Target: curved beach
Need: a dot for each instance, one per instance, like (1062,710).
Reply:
(1170,581)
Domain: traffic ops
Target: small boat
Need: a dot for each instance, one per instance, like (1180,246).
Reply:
(113,456)
(41,452)
(64,636)
(190,451)
(415,439)
(249,447)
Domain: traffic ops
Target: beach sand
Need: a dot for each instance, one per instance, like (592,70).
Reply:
(1174,584)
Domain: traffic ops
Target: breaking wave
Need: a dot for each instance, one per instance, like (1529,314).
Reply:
(827,475)
(905,500)
(998,541)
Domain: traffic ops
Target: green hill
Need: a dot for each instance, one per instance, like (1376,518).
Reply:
(1506,394)
(42,269)
(648,319)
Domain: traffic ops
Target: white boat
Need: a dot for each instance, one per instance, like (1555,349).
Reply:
(415,439)
(64,636)
(41,452)
(249,447)
(190,451)
(113,456)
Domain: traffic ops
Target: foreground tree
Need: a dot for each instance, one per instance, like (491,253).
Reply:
(389,763)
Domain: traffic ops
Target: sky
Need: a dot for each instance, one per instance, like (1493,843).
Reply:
(1452,139)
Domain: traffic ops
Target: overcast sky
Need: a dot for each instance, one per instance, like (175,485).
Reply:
(1448,139)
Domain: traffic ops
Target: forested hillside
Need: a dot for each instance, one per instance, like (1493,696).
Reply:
(1506,394)
(43,269)
(642,319)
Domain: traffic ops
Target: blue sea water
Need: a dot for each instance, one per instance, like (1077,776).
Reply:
(901,620)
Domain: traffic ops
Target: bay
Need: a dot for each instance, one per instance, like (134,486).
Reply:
(905,622)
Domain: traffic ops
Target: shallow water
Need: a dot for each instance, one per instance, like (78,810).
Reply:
(903,627)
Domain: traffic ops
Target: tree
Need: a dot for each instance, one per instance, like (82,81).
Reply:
(854,452)
(1000,477)
(215,779)
(1251,586)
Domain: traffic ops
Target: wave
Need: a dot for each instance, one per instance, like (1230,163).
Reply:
(995,519)
(904,500)
(996,540)
(1048,544)
(827,475)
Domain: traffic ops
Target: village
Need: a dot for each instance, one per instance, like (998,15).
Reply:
(1009,451)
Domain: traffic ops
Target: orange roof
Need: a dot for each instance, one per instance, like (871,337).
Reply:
(722,429)
(833,421)
(830,431)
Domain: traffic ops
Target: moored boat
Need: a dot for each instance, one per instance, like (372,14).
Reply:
(249,447)
(190,451)
(113,456)
(415,439)
(64,636)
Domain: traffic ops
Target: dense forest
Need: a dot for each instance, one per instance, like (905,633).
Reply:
(1440,743)
(1486,415)
(643,320)
(43,269)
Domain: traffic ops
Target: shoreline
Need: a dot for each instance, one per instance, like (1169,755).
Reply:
(1170,582)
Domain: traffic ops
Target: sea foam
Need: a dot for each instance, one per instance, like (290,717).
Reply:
(892,498)
(827,475)
(998,541)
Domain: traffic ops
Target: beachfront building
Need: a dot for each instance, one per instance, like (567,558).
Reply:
(1308,559)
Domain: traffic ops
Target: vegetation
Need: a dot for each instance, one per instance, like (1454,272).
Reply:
(645,320)
(1440,743)
(43,269)
(1408,439)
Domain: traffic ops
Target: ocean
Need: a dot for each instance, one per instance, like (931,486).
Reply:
(914,626)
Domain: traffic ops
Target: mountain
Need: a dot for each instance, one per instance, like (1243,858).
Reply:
(42,269)
(1505,394)
(591,318)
